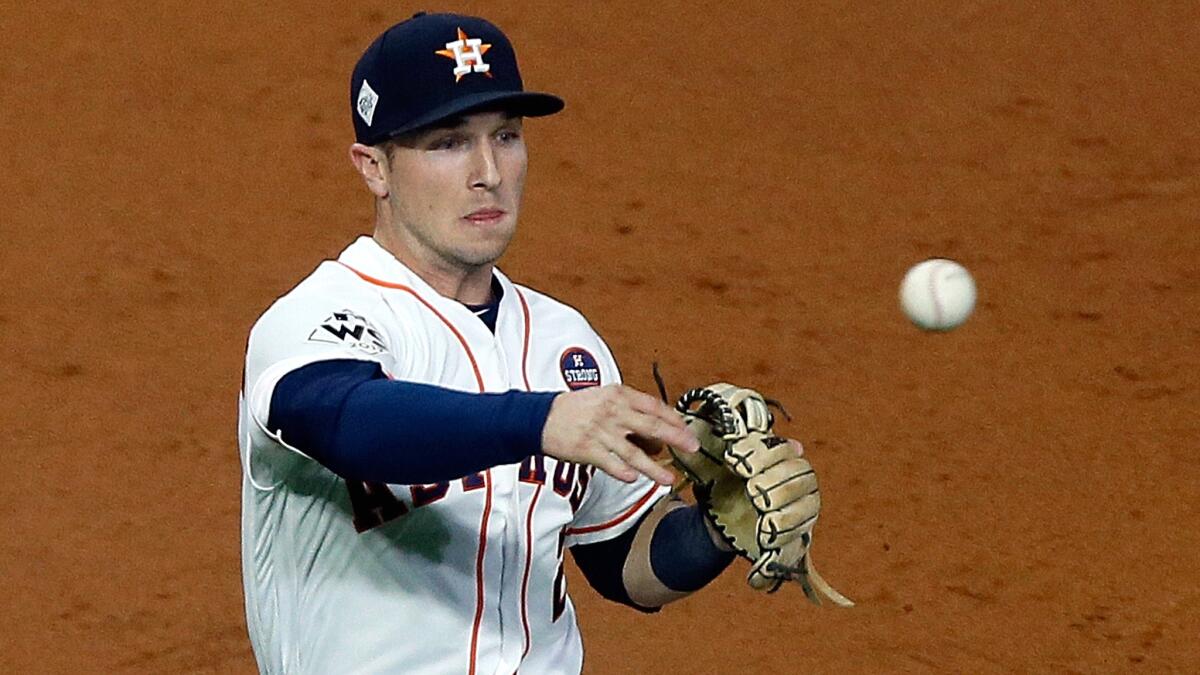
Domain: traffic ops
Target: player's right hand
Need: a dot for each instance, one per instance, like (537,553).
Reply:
(607,427)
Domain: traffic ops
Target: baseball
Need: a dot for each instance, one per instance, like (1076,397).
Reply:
(937,294)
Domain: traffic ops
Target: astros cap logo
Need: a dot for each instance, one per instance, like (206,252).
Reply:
(408,69)
(467,54)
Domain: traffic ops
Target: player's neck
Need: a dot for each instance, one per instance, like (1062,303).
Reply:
(468,285)
(469,288)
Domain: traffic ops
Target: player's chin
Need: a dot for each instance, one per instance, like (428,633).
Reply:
(485,241)
(484,252)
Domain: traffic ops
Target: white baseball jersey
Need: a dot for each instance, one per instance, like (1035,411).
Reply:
(461,577)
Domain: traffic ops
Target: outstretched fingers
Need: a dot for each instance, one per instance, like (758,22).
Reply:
(634,461)
(614,465)
(656,421)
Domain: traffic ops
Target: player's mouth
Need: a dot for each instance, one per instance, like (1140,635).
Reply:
(485,216)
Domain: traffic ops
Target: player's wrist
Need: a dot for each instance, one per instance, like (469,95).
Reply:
(524,420)
(547,438)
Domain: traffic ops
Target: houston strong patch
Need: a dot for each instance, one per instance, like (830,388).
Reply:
(349,329)
(579,369)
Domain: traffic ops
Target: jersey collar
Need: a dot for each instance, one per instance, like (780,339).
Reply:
(366,256)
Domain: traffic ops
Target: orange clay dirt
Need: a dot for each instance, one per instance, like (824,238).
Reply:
(733,192)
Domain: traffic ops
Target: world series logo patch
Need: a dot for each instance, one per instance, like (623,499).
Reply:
(579,369)
(349,329)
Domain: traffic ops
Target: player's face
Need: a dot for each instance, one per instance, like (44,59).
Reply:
(454,191)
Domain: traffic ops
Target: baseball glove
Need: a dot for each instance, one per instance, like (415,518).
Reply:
(757,491)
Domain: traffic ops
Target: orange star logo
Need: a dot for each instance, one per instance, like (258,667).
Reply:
(467,54)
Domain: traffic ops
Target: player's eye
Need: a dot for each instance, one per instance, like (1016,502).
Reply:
(508,135)
(445,143)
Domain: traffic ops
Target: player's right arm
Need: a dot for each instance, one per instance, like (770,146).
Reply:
(360,424)
(349,416)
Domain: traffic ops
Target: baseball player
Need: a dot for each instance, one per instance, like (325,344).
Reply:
(422,438)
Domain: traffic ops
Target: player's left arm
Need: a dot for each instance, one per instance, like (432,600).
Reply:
(674,554)
(671,553)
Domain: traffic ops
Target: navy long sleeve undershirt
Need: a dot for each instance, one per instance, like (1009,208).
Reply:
(348,416)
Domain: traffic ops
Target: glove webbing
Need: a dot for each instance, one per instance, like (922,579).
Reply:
(714,409)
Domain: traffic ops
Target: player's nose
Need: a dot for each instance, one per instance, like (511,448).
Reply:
(485,174)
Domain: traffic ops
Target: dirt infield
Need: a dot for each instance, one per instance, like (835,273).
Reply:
(735,193)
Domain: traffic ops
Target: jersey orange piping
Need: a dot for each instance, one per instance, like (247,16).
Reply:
(615,521)
(400,287)
(536,493)
(528,563)
(525,349)
(483,526)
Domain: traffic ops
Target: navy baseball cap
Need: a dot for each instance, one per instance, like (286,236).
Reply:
(434,66)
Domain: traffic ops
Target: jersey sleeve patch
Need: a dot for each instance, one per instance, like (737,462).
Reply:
(351,330)
(579,369)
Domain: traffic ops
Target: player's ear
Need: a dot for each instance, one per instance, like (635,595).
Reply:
(371,163)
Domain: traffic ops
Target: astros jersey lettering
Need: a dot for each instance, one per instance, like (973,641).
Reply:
(460,577)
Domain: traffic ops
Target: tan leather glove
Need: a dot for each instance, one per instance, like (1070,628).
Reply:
(757,491)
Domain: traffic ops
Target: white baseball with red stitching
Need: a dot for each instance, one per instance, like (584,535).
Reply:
(937,294)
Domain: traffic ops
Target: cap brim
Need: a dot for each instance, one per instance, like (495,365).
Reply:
(521,103)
